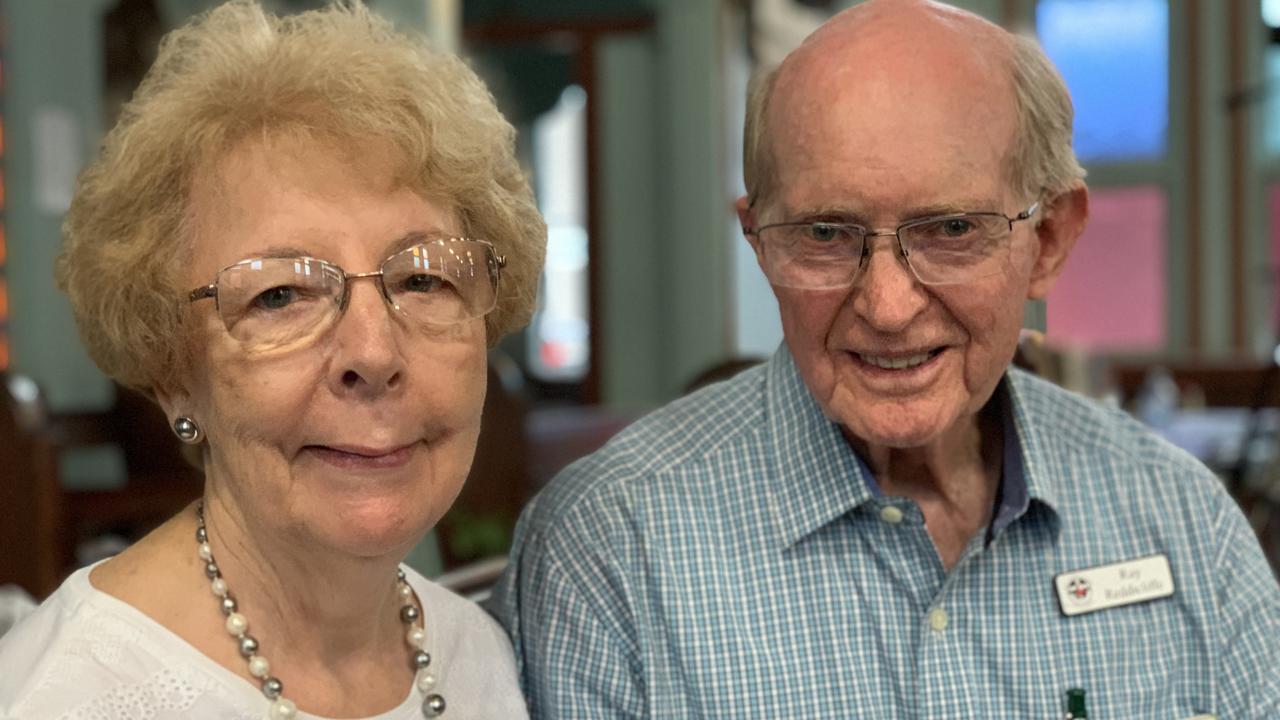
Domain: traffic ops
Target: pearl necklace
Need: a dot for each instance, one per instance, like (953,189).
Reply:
(283,708)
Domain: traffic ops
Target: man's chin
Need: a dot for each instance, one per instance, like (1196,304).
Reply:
(892,425)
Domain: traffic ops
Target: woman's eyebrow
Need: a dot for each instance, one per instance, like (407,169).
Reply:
(282,251)
(415,237)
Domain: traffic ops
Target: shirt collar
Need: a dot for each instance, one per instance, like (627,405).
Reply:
(1035,439)
(817,477)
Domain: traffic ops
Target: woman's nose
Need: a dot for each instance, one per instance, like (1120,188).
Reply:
(369,360)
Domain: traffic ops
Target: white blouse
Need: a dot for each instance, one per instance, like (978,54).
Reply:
(87,655)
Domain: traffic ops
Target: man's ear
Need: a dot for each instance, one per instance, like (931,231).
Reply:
(747,221)
(1062,221)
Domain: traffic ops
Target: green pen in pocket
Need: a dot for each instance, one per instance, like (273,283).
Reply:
(1075,704)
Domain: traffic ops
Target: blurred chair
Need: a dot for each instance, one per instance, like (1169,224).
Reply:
(30,503)
(42,523)
(479,524)
(1236,403)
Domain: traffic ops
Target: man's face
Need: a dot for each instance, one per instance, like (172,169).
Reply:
(878,141)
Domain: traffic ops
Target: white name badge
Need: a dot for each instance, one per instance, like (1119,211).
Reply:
(1109,586)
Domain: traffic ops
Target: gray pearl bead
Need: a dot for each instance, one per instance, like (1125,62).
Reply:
(211,569)
(433,706)
(409,613)
(248,646)
(272,688)
(201,535)
(400,575)
(229,604)
(421,659)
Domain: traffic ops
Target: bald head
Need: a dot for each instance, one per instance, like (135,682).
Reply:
(898,55)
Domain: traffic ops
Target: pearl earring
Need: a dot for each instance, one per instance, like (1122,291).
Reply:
(187,430)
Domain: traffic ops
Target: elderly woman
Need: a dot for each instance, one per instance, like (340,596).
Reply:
(299,239)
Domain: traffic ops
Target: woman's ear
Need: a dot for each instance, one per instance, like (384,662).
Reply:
(175,402)
(1063,219)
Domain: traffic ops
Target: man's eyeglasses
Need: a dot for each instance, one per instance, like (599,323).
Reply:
(276,302)
(942,250)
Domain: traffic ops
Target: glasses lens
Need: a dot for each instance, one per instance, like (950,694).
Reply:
(275,302)
(812,256)
(443,281)
(957,248)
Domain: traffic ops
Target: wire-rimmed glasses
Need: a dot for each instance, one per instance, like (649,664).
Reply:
(274,302)
(939,250)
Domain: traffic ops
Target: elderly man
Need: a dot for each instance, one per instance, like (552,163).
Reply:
(886,520)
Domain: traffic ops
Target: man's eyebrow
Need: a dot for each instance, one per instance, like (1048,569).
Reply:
(841,213)
(850,214)
(968,205)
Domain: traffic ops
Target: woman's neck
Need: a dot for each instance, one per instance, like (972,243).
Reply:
(330,607)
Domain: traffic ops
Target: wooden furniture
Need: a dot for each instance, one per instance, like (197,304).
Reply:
(1253,481)
(41,522)
(1216,383)
(29,501)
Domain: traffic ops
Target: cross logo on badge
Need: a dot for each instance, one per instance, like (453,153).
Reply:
(1079,589)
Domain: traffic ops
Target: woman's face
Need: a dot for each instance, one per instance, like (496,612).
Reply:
(359,440)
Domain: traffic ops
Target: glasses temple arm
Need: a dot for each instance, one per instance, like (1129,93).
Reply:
(200,293)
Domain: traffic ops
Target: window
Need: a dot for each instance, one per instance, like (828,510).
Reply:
(1114,56)
(559,336)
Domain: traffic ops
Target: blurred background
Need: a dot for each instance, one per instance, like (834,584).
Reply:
(629,115)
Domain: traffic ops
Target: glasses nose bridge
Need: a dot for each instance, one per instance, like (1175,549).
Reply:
(868,245)
(377,275)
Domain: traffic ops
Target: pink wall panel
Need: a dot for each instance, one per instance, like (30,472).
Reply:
(1112,294)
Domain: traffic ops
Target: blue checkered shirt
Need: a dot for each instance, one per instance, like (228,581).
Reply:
(729,557)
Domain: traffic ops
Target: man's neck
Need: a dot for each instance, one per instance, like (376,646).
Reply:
(954,480)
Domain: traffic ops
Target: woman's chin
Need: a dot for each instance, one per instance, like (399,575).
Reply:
(371,530)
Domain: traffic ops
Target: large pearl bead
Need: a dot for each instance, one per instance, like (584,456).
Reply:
(259,667)
(425,681)
(283,709)
(219,587)
(272,687)
(237,624)
(433,706)
(421,659)
(416,637)
(206,552)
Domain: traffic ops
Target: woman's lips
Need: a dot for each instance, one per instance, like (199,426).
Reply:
(362,458)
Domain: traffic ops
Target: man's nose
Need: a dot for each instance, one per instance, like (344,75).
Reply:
(886,293)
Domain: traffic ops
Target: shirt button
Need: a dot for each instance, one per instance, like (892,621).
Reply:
(938,619)
(891,514)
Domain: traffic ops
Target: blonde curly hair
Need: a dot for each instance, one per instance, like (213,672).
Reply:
(341,74)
